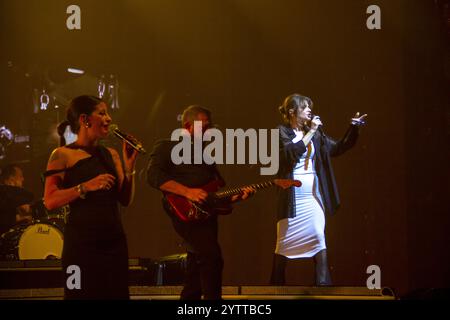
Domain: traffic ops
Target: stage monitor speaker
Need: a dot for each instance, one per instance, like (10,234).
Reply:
(170,270)
(23,274)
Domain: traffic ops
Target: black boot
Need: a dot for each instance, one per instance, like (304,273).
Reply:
(323,277)
(278,267)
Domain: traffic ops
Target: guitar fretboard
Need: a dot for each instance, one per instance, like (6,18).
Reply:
(232,192)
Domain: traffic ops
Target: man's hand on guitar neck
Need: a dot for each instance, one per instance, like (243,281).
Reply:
(199,195)
(246,193)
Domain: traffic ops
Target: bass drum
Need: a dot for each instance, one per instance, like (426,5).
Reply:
(38,240)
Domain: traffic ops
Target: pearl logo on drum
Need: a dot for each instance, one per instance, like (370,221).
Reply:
(41,230)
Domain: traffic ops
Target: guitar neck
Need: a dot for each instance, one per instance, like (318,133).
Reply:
(232,192)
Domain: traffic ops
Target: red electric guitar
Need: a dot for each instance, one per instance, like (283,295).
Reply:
(217,201)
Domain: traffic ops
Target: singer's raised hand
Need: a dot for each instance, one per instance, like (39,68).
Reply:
(315,123)
(129,157)
(359,120)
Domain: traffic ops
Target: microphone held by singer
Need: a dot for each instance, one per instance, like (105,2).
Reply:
(133,142)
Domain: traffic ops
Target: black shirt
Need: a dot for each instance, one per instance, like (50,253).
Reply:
(162,169)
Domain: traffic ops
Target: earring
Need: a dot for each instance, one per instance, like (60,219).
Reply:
(87,125)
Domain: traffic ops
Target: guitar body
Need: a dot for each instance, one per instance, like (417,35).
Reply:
(186,210)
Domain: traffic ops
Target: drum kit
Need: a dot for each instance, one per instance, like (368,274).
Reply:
(41,238)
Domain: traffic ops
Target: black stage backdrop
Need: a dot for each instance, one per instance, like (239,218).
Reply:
(240,59)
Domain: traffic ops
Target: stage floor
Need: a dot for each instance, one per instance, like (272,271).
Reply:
(161,280)
(229,293)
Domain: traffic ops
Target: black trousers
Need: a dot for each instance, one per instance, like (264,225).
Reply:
(204,259)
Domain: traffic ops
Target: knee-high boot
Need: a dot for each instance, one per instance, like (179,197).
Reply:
(323,277)
(278,270)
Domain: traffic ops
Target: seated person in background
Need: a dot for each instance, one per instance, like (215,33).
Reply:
(14,199)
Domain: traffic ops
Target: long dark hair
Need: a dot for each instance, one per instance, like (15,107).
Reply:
(293,102)
(61,129)
(80,105)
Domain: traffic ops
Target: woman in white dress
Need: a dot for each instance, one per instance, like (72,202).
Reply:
(305,155)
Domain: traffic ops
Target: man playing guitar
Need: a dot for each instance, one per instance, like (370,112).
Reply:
(204,256)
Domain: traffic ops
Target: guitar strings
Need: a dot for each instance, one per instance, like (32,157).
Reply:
(239,190)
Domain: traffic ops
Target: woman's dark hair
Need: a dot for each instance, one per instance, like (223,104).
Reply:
(293,102)
(80,105)
(61,129)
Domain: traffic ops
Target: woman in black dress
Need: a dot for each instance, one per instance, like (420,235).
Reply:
(91,179)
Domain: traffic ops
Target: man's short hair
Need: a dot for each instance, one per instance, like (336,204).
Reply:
(7,172)
(191,112)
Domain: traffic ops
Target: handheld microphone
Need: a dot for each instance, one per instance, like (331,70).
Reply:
(133,142)
(319,128)
(313,116)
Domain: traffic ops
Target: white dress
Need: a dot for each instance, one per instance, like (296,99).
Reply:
(304,235)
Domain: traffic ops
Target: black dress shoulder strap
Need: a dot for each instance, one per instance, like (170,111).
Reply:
(52,172)
(101,152)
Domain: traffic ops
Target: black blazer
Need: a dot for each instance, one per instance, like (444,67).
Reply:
(325,148)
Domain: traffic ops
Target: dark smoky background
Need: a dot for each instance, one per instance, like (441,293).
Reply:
(240,59)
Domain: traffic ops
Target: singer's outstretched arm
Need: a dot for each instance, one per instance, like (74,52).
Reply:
(336,148)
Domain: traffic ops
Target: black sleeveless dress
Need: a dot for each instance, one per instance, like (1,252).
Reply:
(94,239)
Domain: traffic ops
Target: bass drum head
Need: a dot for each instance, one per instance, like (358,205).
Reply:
(41,241)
